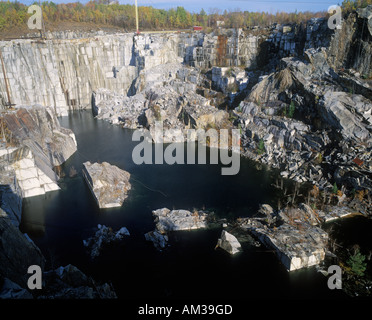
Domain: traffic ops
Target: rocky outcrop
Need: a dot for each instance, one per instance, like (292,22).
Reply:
(168,97)
(174,220)
(17,253)
(109,184)
(159,240)
(36,145)
(297,243)
(11,290)
(73,67)
(70,283)
(298,118)
(366,13)
(63,73)
(11,194)
(229,243)
(350,47)
(347,114)
(103,237)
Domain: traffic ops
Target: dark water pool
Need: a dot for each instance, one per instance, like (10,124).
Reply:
(190,267)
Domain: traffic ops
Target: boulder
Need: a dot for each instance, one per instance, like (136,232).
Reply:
(109,184)
(175,220)
(102,237)
(296,245)
(70,283)
(11,290)
(159,240)
(229,243)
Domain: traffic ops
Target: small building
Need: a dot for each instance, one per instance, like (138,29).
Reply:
(198,28)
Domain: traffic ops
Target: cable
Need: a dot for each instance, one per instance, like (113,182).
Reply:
(133,178)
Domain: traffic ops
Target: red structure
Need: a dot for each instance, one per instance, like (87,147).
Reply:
(198,28)
(358,162)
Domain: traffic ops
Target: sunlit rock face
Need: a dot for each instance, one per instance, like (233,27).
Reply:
(36,145)
(109,184)
(63,72)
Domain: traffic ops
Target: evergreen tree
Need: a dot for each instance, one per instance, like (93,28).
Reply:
(357,264)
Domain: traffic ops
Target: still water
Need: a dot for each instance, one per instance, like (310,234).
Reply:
(190,267)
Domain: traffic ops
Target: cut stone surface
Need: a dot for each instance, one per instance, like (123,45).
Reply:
(297,243)
(109,184)
(229,243)
(167,220)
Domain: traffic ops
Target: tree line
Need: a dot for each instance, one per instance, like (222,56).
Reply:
(110,13)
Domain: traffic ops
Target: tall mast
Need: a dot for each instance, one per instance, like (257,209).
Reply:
(42,31)
(137,24)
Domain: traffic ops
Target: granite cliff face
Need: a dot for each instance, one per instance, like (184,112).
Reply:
(300,94)
(313,114)
(35,145)
(62,73)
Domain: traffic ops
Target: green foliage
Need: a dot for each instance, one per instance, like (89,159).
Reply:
(122,15)
(352,5)
(289,111)
(284,112)
(261,147)
(292,109)
(240,128)
(335,188)
(357,264)
(240,108)
(157,112)
(319,158)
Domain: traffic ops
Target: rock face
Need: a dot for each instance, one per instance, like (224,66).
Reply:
(366,13)
(36,144)
(295,118)
(102,237)
(10,193)
(297,243)
(70,69)
(109,184)
(17,253)
(165,94)
(325,121)
(229,243)
(73,68)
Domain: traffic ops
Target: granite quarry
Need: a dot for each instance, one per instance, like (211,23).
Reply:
(302,106)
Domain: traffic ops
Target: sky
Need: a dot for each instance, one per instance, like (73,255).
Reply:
(271,6)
